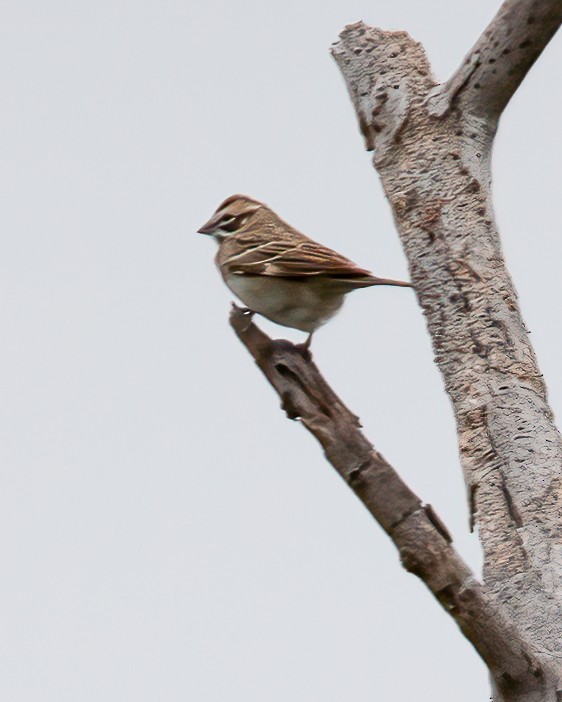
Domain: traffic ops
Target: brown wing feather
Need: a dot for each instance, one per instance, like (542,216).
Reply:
(290,259)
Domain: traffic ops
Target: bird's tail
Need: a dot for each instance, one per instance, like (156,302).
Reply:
(388,281)
(370,280)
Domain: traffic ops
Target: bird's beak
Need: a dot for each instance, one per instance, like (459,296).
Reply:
(209,227)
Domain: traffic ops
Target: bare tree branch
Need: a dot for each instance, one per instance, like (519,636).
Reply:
(418,533)
(494,68)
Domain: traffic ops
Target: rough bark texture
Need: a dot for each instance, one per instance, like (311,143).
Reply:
(432,147)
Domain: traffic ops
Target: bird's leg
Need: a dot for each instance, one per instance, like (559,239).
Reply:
(304,348)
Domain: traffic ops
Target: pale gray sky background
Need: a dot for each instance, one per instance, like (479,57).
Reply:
(165,533)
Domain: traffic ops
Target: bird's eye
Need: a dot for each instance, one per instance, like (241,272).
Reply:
(229,224)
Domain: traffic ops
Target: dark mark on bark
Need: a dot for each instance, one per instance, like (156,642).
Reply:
(437,523)
(511,508)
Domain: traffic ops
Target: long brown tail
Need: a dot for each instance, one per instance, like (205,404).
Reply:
(368,280)
(388,281)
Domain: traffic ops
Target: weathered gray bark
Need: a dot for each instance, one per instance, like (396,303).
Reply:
(432,150)
(432,146)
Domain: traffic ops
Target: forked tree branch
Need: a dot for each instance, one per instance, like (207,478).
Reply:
(494,68)
(419,535)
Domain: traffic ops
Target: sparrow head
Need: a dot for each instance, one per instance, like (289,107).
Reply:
(231,216)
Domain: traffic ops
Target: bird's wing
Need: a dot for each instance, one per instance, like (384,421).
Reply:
(290,259)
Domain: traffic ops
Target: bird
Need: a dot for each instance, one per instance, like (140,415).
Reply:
(277,271)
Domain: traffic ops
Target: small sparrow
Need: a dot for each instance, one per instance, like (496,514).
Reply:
(278,272)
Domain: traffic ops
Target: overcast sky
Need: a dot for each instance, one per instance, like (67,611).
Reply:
(165,533)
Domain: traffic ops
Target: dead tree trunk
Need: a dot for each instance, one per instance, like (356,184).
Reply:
(432,147)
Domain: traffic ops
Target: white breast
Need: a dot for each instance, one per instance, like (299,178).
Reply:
(302,305)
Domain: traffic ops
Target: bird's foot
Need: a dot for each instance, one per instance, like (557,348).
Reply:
(249,315)
(246,314)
